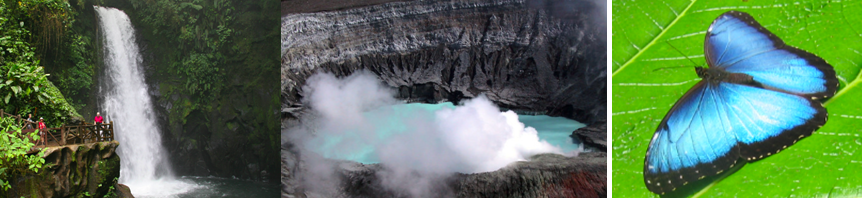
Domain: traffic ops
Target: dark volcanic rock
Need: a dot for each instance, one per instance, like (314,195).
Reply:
(522,57)
(594,135)
(545,175)
(123,191)
(300,6)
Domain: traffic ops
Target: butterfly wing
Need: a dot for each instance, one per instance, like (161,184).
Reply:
(714,125)
(689,143)
(736,43)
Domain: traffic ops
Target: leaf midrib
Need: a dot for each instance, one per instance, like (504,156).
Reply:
(653,41)
(844,90)
(856,80)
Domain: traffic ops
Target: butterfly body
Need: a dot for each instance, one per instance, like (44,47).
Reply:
(758,97)
(716,75)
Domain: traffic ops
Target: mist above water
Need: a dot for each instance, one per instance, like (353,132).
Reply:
(394,119)
(470,138)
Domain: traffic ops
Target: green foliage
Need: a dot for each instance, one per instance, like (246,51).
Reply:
(63,48)
(45,29)
(822,165)
(75,70)
(211,52)
(111,190)
(48,20)
(14,160)
(22,82)
(201,48)
(24,87)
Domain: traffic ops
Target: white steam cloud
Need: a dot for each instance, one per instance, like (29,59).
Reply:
(472,138)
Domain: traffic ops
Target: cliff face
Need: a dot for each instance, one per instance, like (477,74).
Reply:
(70,171)
(523,56)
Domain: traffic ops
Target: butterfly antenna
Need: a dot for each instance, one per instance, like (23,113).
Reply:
(680,52)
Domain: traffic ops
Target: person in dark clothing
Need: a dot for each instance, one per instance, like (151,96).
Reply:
(29,121)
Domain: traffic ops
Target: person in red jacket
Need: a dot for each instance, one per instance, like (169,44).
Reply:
(42,132)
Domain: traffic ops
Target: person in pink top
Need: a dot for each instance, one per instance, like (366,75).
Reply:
(98,118)
(98,121)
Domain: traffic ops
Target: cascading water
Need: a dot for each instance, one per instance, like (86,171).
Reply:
(144,166)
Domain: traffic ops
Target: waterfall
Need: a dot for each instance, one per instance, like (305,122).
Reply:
(144,166)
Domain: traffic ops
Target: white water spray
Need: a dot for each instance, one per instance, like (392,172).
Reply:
(144,166)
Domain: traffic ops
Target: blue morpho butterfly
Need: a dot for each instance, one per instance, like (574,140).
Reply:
(757,97)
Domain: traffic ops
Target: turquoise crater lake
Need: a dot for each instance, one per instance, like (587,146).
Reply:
(389,121)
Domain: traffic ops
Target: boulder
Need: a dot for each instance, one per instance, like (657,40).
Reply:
(123,191)
(594,135)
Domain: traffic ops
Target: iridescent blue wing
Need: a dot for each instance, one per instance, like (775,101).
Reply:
(736,43)
(689,143)
(714,125)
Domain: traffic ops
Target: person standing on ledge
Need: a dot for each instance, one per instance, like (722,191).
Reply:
(98,120)
(42,131)
(29,120)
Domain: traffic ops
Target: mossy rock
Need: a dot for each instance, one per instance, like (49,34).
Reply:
(83,170)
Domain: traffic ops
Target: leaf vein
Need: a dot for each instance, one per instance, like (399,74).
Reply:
(653,41)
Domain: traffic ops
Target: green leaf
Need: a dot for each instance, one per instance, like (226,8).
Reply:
(827,163)
(196,7)
(16,89)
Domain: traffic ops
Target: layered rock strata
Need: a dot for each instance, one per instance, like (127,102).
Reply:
(522,57)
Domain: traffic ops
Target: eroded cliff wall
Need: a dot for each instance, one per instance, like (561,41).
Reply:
(523,56)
